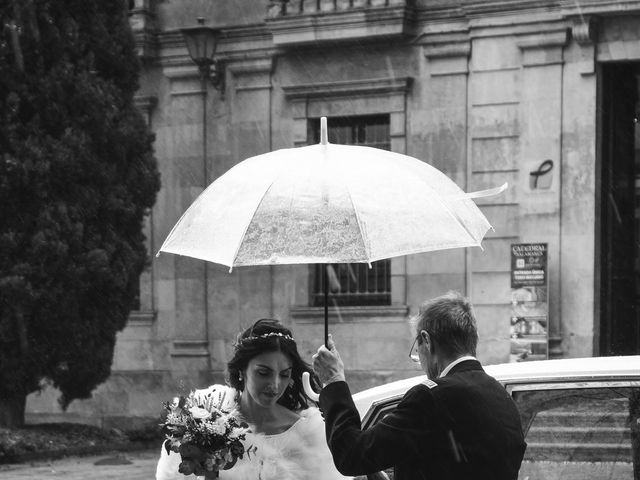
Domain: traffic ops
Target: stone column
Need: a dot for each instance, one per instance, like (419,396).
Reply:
(239,297)
(540,185)
(182,282)
(439,137)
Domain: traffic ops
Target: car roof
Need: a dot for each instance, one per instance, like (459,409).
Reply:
(520,372)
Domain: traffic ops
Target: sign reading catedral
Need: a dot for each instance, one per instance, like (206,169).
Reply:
(529,302)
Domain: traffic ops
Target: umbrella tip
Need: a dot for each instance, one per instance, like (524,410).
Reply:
(324,136)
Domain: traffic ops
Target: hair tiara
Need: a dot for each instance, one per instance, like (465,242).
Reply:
(263,336)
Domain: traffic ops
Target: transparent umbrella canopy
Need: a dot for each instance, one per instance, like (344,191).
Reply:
(327,203)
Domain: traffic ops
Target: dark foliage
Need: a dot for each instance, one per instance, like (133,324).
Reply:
(54,440)
(77,176)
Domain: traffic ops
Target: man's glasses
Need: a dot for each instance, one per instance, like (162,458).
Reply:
(413,353)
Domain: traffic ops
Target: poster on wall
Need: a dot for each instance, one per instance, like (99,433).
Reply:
(529,302)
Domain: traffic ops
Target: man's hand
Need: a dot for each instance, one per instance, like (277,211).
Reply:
(327,364)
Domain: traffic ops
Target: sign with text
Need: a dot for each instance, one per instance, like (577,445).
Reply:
(529,302)
(528,265)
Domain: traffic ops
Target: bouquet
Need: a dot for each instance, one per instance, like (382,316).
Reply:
(208,437)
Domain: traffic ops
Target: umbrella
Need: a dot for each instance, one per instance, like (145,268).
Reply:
(327,203)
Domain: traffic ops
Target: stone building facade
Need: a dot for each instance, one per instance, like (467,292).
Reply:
(486,91)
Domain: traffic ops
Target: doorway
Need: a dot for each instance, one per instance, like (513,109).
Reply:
(619,267)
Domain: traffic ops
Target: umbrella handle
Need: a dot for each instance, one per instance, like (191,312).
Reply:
(306,384)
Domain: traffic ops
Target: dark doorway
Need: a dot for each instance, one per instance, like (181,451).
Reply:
(620,209)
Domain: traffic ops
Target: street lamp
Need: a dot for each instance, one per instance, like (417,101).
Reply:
(201,44)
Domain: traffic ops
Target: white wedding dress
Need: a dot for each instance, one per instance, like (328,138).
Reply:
(299,453)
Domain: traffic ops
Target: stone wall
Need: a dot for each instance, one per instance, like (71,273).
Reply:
(482,92)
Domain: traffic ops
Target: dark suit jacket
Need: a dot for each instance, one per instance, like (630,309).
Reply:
(462,426)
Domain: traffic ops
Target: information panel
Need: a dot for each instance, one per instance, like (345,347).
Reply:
(529,302)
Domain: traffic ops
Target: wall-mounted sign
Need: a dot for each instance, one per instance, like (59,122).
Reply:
(541,178)
(529,302)
(528,265)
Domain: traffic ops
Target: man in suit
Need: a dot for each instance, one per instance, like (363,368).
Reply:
(459,424)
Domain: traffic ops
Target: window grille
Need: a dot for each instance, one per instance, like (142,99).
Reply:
(353,284)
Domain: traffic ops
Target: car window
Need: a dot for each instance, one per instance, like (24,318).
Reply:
(581,432)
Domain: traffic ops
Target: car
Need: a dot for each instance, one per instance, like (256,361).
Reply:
(580,416)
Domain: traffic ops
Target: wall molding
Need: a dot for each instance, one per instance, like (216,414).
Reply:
(145,103)
(348,88)
(141,318)
(304,314)
(190,348)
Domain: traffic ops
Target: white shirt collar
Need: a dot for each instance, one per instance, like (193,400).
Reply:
(454,363)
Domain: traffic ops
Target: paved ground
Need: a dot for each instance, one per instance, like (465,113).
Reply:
(139,465)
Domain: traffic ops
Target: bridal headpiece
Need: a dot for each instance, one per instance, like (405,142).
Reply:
(263,336)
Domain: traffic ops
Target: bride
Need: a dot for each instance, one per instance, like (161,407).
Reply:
(265,384)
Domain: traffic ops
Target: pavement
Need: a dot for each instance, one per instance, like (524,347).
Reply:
(134,465)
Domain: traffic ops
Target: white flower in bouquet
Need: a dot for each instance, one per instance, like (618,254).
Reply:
(200,413)
(216,428)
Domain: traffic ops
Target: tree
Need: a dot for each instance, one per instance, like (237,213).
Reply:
(77,177)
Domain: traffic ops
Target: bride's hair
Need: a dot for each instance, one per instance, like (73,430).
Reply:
(269,335)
